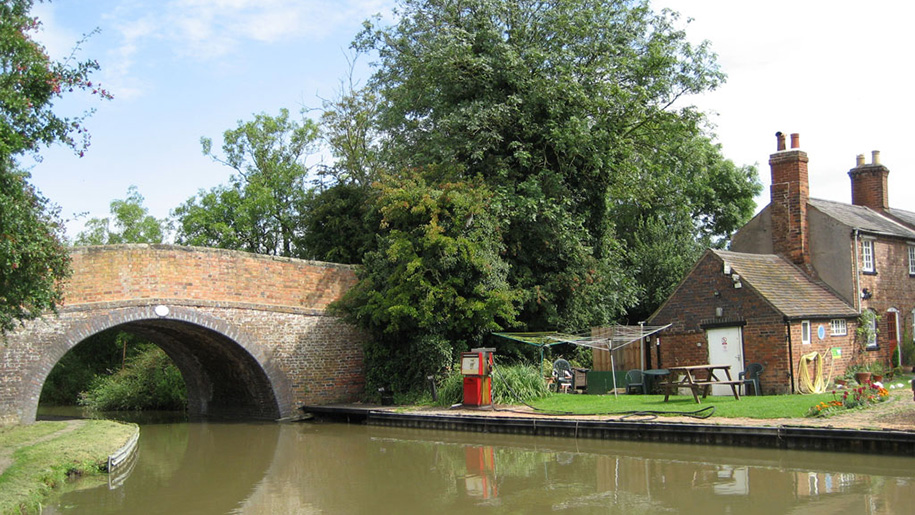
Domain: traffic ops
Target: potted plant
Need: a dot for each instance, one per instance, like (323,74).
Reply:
(858,373)
(877,371)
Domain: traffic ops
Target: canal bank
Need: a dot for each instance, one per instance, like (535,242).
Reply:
(888,428)
(37,458)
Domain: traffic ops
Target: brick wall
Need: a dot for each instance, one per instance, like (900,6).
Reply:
(890,287)
(121,272)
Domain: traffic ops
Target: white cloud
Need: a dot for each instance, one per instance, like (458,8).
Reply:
(211,29)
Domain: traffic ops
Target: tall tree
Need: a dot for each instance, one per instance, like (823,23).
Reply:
(341,218)
(570,110)
(33,258)
(130,222)
(261,209)
(436,280)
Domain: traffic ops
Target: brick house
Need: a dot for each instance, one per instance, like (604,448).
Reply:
(796,278)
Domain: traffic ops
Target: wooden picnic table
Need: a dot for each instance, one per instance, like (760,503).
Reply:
(695,377)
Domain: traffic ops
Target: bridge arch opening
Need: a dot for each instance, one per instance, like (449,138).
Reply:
(224,380)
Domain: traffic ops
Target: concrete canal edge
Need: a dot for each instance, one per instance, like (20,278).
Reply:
(890,442)
(122,461)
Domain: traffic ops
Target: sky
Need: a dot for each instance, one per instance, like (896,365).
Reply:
(839,73)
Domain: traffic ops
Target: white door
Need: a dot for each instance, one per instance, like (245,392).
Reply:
(725,347)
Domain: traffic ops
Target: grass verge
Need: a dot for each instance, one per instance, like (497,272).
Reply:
(768,406)
(45,455)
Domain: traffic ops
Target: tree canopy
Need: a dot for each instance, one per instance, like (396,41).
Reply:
(130,222)
(261,209)
(30,82)
(573,113)
(33,259)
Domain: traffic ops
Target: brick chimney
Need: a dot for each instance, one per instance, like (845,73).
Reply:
(868,183)
(789,193)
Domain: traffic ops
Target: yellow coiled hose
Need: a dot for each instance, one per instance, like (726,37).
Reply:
(818,384)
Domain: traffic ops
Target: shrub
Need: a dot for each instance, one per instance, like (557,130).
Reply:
(511,384)
(402,367)
(149,381)
(908,350)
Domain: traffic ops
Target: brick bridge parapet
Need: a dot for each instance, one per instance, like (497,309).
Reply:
(250,333)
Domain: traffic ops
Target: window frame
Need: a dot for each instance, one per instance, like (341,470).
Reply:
(838,327)
(911,259)
(805,332)
(868,260)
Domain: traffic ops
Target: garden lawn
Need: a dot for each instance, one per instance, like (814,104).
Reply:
(767,406)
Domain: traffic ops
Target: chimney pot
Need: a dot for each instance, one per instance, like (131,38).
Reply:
(860,160)
(875,157)
(781,140)
(795,140)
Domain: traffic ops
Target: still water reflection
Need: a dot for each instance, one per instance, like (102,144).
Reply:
(337,468)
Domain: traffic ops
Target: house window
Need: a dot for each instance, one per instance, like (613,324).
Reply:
(867,255)
(837,327)
(871,322)
(805,332)
(911,259)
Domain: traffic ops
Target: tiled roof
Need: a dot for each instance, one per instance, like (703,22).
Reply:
(863,218)
(786,287)
(906,217)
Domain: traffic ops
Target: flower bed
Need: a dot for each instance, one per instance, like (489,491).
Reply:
(859,397)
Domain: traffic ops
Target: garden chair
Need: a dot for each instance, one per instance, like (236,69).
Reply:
(635,382)
(750,376)
(562,376)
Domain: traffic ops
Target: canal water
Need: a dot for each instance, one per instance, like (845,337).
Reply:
(341,469)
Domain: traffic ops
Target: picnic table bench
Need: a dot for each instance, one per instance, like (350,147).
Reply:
(694,379)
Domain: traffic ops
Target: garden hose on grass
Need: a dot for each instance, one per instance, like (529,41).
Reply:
(818,384)
(701,413)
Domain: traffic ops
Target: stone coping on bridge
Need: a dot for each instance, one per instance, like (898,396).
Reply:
(211,250)
(788,437)
(109,305)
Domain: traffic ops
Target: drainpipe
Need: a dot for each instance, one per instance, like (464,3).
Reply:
(857,275)
(790,353)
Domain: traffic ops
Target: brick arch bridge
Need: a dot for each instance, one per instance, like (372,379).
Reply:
(249,333)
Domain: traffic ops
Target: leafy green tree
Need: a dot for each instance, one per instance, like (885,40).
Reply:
(340,222)
(693,201)
(261,209)
(30,81)
(341,218)
(349,128)
(33,259)
(131,223)
(436,281)
(570,112)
